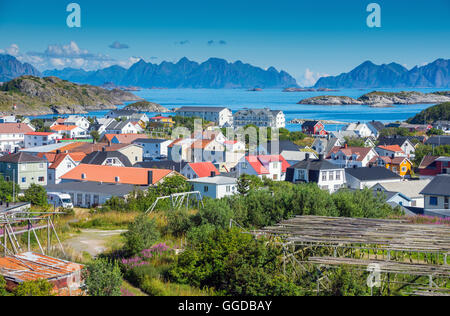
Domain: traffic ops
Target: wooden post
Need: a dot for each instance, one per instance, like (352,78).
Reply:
(48,235)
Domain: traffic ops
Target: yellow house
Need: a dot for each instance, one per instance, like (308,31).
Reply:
(400,165)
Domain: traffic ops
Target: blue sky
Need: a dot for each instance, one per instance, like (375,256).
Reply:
(305,38)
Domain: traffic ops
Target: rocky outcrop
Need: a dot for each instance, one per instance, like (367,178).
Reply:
(36,96)
(11,68)
(145,106)
(330,100)
(381,99)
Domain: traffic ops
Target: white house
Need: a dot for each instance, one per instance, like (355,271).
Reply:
(121,127)
(35,139)
(260,118)
(348,157)
(220,115)
(194,170)
(361,129)
(63,163)
(411,189)
(437,196)
(215,187)
(327,175)
(76,120)
(360,178)
(12,135)
(264,166)
(153,148)
(391,151)
(8,119)
(71,131)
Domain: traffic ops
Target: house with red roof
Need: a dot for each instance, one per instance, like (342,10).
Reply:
(264,166)
(62,164)
(392,151)
(12,135)
(194,170)
(349,157)
(36,139)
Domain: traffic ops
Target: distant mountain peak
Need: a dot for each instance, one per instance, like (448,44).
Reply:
(392,75)
(11,67)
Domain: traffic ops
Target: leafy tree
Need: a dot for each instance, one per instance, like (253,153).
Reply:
(354,141)
(435,131)
(243,184)
(37,195)
(103,278)
(34,288)
(141,234)
(95,135)
(391,131)
(432,114)
(424,150)
(6,190)
(233,264)
(171,185)
(344,282)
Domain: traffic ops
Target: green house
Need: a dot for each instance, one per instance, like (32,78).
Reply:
(24,169)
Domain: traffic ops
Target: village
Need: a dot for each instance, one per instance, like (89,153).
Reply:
(86,162)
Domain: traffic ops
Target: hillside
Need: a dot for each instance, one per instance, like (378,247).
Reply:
(440,112)
(369,75)
(11,68)
(214,73)
(35,96)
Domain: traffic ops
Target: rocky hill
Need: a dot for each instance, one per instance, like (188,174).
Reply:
(369,75)
(145,106)
(11,68)
(214,73)
(380,99)
(37,96)
(440,112)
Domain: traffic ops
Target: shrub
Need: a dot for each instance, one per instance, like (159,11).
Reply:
(37,195)
(141,234)
(34,288)
(103,278)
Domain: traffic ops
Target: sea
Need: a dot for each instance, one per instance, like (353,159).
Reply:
(276,99)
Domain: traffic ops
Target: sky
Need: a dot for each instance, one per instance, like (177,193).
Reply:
(306,38)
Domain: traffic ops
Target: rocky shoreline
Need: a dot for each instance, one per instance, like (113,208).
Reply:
(301,121)
(381,99)
(146,106)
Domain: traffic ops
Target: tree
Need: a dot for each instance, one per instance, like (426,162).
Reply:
(354,142)
(141,234)
(34,288)
(243,184)
(95,136)
(435,131)
(171,185)
(37,195)
(6,190)
(3,291)
(103,278)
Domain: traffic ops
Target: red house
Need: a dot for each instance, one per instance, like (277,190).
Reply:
(434,165)
(314,128)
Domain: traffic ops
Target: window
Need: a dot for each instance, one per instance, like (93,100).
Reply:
(41,166)
(446,202)
(24,179)
(331,175)
(433,200)
(228,188)
(41,179)
(324,176)
(338,175)
(206,188)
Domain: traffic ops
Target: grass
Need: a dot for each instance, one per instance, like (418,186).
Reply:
(106,221)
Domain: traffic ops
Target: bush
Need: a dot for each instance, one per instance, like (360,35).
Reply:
(141,234)
(103,278)
(34,288)
(37,195)
(3,291)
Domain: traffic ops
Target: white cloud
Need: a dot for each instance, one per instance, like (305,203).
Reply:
(309,78)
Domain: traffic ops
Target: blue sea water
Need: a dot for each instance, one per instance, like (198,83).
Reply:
(237,99)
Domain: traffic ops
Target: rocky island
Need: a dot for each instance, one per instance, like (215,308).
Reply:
(30,95)
(381,99)
(145,106)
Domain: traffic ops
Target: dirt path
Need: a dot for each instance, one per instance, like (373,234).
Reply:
(92,241)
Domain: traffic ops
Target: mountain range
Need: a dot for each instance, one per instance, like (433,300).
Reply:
(11,68)
(214,73)
(393,75)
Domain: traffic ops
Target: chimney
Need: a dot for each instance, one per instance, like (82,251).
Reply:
(321,156)
(307,156)
(117,179)
(58,151)
(345,146)
(103,149)
(213,174)
(150,177)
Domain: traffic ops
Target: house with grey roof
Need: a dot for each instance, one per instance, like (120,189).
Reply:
(25,169)
(436,141)
(121,127)
(437,195)
(259,118)
(107,158)
(222,116)
(367,177)
(215,187)
(410,189)
(328,176)
(291,152)
(324,145)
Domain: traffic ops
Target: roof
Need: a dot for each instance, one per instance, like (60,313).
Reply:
(427,161)
(310,123)
(393,148)
(201,143)
(87,148)
(58,160)
(258,162)
(201,109)
(108,174)
(124,138)
(39,134)
(410,189)
(21,157)
(15,128)
(30,266)
(112,189)
(215,180)
(99,157)
(377,125)
(58,128)
(150,140)
(203,169)
(372,174)
(396,140)
(438,140)
(46,148)
(117,125)
(440,185)
(282,145)
(166,164)
(360,152)
(315,164)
